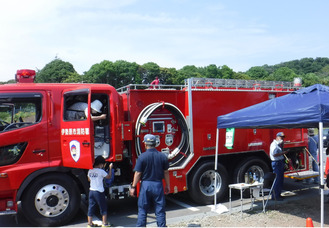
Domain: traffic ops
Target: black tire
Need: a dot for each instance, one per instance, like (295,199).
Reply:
(202,183)
(51,200)
(253,165)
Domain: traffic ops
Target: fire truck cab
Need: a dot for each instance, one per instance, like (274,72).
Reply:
(47,144)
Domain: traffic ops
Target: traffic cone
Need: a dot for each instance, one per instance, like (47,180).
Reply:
(309,222)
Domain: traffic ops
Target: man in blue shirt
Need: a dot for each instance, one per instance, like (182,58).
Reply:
(151,167)
(277,158)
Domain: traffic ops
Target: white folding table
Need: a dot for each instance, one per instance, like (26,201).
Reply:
(242,187)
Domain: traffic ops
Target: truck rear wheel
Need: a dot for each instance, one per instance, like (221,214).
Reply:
(253,166)
(250,168)
(51,200)
(202,186)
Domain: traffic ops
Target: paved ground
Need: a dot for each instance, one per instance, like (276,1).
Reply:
(301,201)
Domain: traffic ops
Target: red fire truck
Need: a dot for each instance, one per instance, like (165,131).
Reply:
(45,154)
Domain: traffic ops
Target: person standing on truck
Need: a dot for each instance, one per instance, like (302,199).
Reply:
(313,145)
(151,167)
(96,190)
(277,158)
(155,82)
(79,110)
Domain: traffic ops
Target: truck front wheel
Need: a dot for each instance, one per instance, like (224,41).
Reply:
(51,200)
(205,181)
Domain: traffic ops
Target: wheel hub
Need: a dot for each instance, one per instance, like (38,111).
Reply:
(52,200)
(209,181)
(257,171)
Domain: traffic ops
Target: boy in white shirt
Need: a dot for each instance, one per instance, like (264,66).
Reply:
(96,190)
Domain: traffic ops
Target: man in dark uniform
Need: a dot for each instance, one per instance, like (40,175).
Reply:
(151,167)
(313,145)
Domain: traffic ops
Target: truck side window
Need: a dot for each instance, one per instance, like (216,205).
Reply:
(10,154)
(19,110)
(76,107)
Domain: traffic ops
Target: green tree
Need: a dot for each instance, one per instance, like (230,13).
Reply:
(240,75)
(56,71)
(103,72)
(211,71)
(149,71)
(126,73)
(302,66)
(189,71)
(307,65)
(310,79)
(324,72)
(11,81)
(283,74)
(226,72)
(74,78)
(168,76)
(257,73)
(117,74)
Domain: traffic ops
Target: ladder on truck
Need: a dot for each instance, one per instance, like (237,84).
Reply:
(217,83)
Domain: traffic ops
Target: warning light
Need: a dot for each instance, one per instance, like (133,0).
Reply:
(25,76)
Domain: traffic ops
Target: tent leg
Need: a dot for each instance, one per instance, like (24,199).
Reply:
(216,160)
(321,171)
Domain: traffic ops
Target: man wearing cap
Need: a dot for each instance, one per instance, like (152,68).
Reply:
(313,145)
(151,167)
(79,110)
(277,158)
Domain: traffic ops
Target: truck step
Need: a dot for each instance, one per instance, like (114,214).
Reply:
(302,175)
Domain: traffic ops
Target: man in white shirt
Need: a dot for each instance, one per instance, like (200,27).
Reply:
(277,158)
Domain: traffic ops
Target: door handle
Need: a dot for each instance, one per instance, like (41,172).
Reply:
(39,151)
(86,144)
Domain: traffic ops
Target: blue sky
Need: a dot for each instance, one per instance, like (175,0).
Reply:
(171,33)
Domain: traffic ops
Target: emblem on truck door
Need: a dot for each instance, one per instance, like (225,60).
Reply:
(75,150)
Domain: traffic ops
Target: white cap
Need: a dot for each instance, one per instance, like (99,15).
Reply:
(96,105)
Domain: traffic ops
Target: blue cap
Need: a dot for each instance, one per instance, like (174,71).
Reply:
(149,139)
(280,134)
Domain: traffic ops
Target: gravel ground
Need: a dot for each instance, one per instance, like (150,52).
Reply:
(291,212)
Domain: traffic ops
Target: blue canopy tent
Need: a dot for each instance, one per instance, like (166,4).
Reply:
(304,108)
(300,109)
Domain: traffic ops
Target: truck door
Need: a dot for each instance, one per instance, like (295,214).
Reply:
(23,117)
(77,129)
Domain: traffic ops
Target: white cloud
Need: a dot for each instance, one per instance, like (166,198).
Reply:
(171,33)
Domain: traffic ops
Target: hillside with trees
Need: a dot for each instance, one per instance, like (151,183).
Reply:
(311,71)
(121,73)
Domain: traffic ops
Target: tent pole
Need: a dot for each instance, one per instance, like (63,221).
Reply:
(216,160)
(321,171)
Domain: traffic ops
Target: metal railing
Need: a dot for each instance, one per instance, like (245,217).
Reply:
(217,83)
(126,88)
